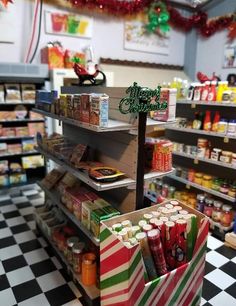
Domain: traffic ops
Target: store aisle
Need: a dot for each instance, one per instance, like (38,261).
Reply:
(30,274)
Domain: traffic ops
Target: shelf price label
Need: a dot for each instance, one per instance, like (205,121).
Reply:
(196,161)
(193,105)
(226,140)
(188,186)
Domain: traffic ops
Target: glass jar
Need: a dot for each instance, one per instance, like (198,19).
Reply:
(61,239)
(222,126)
(171,192)
(208,208)
(187,149)
(198,178)
(201,147)
(224,188)
(164,191)
(226,157)
(68,253)
(232,191)
(77,250)
(191,175)
(216,212)
(216,183)
(207,181)
(231,128)
(177,195)
(226,216)
(215,154)
(89,269)
(200,202)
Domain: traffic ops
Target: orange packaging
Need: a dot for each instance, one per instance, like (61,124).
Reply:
(162,156)
(53,56)
(36,127)
(71,57)
(85,108)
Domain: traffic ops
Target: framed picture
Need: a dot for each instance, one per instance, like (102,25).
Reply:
(136,38)
(230,55)
(68,24)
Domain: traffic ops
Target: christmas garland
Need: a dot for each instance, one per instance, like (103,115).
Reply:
(156,21)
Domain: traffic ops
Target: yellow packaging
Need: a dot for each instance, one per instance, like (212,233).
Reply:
(87,208)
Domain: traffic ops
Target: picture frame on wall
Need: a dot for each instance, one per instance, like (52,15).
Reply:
(68,24)
(136,38)
(230,55)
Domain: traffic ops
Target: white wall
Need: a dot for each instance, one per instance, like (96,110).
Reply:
(107,40)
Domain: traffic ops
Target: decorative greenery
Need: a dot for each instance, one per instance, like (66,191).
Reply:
(158,18)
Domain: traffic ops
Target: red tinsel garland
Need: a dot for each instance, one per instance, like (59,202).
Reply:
(123,8)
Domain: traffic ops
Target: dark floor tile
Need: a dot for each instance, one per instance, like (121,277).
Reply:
(60,295)
(232,290)
(207,304)
(230,269)
(209,268)
(50,251)
(19,228)
(26,290)
(4,284)
(30,245)
(208,250)
(43,267)
(226,251)
(8,241)
(66,275)
(11,214)
(14,263)
(34,197)
(29,217)
(209,290)
(23,205)
(3,224)
(6,202)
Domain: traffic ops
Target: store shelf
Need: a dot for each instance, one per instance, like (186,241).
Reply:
(92,291)
(210,103)
(201,132)
(22,120)
(113,125)
(18,103)
(126,182)
(54,196)
(156,174)
(19,154)
(205,160)
(151,122)
(197,186)
(15,137)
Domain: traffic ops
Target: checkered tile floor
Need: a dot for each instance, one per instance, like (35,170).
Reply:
(30,274)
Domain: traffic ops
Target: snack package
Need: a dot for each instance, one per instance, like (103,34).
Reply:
(13,93)
(8,132)
(68,180)
(17,178)
(70,105)
(14,148)
(15,167)
(87,208)
(5,115)
(99,108)
(1,130)
(53,55)
(4,180)
(2,99)
(71,57)
(85,108)
(20,112)
(36,127)
(105,174)
(31,162)
(78,154)
(33,115)
(22,131)
(3,147)
(76,107)
(28,93)
(28,145)
(52,178)
(3,166)
(62,106)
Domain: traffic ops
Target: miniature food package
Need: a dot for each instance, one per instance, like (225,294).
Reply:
(105,174)
(28,93)
(99,108)
(70,106)
(3,166)
(97,216)
(4,180)
(13,93)
(108,208)
(3,148)
(52,178)
(68,180)
(36,127)
(17,178)
(78,154)
(14,148)
(28,145)
(76,107)
(85,108)
(87,208)
(33,115)
(32,162)
(20,111)
(22,131)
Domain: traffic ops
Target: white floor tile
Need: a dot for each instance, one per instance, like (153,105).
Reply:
(213,243)
(38,300)
(7,298)
(74,289)
(32,225)
(30,192)
(56,263)
(2,271)
(8,208)
(19,276)
(20,199)
(36,256)
(234,260)
(5,232)
(220,279)
(42,242)
(15,221)
(37,202)
(72,303)
(203,301)
(216,259)
(4,197)
(26,211)
(25,236)
(10,252)
(50,281)
(223,298)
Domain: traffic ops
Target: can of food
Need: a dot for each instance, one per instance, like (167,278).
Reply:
(142,223)
(170,241)
(156,214)
(147,228)
(135,229)
(154,240)
(160,225)
(117,227)
(174,203)
(153,222)
(169,206)
(124,234)
(183,212)
(126,223)
(181,242)
(164,219)
(147,217)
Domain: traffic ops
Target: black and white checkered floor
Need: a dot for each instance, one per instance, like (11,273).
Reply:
(31,275)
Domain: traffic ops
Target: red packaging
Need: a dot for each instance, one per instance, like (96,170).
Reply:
(85,108)
(92,196)
(154,240)
(162,156)
(170,244)
(181,242)
(160,225)
(53,56)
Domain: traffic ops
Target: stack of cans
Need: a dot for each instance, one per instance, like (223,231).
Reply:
(166,236)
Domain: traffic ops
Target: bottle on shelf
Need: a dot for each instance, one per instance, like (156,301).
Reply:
(197,123)
(216,121)
(197,92)
(222,86)
(207,121)
(205,91)
(212,91)
(190,92)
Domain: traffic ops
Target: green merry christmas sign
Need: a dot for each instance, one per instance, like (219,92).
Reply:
(142,100)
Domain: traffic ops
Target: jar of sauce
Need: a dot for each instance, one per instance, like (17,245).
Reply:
(215,154)
(191,175)
(208,208)
(222,126)
(224,188)
(216,183)
(198,178)
(69,254)
(226,216)
(89,269)
(200,202)
(207,181)
(78,249)
(226,157)
(216,212)
(232,191)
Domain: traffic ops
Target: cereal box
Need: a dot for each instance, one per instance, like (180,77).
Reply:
(85,108)
(99,107)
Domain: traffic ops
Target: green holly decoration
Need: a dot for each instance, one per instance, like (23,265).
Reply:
(158,18)
(76,60)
